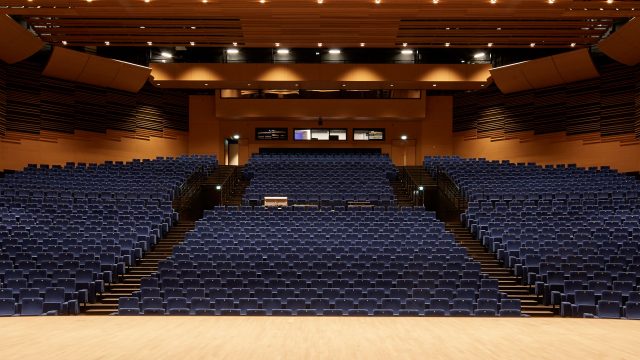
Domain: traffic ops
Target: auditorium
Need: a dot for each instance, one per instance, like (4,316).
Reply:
(319,179)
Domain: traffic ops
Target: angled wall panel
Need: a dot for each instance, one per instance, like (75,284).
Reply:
(624,45)
(541,73)
(510,78)
(95,70)
(131,77)
(66,64)
(16,42)
(575,66)
(99,71)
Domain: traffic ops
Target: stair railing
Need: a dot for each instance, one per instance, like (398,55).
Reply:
(187,191)
(229,185)
(416,193)
(449,188)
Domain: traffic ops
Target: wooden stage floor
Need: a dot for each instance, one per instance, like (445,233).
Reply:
(129,338)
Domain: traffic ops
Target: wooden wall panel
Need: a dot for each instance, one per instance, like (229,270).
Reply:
(3,101)
(94,70)
(36,103)
(607,106)
(16,42)
(624,44)
(545,72)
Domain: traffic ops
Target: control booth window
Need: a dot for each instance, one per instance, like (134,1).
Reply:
(320,134)
(368,134)
(272,134)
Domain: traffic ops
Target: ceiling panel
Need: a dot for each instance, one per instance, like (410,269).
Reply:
(339,23)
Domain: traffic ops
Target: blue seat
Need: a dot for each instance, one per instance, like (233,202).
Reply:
(128,306)
(608,309)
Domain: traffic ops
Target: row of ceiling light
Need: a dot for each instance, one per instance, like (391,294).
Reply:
(374,1)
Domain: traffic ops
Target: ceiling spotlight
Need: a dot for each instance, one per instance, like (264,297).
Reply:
(434,85)
(107,43)
(235,43)
(166,54)
(319,44)
(64,42)
(435,1)
(490,44)
(193,28)
(403,137)
(282,51)
(493,1)
(479,55)
(320,1)
(262,1)
(532,44)
(192,43)
(378,1)
(236,136)
(404,44)
(551,1)
(573,44)
(143,27)
(232,51)
(609,1)
(447,44)
(406,52)
(334,51)
(149,43)
(277,44)
(362,44)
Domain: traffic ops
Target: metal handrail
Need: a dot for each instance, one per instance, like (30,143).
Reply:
(188,189)
(451,190)
(228,186)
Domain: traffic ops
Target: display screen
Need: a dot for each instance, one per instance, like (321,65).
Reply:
(368,134)
(320,134)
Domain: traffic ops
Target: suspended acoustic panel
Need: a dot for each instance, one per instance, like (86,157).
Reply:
(510,78)
(16,42)
(545,72)
(95,70)
(575,66)
(623,45)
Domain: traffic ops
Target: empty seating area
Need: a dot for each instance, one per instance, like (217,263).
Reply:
(67,232)
(301,261)
(572,234)
(333,179)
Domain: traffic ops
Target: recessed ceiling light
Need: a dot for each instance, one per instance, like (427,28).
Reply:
(532,44)
(319,44)
(235,43)
(551,1)
(192,43)
(479,55)
(334,51)
(406,52)
(64,42)
(262,1)
(447,44)
(362,44)
(107,43)
(392,85)
(490,44)
(277,44)
(573,44)
(343,85)
(434,85)
(166,54)
(435,1)
(205,1)
(283,51)
(143,27)
(232,51)
(403,137)
(377,1)
(404,44)
(149,43)
(609,1)
(493,1)
(193,28)
(320,1)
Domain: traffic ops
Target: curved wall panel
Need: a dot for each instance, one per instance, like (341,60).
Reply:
(16,42)
(545,72)
(95,70)
(624,45)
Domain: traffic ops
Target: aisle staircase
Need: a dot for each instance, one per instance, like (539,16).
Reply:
(508,283)
(108,302)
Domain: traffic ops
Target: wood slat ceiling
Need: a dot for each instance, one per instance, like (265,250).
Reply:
(334,23)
